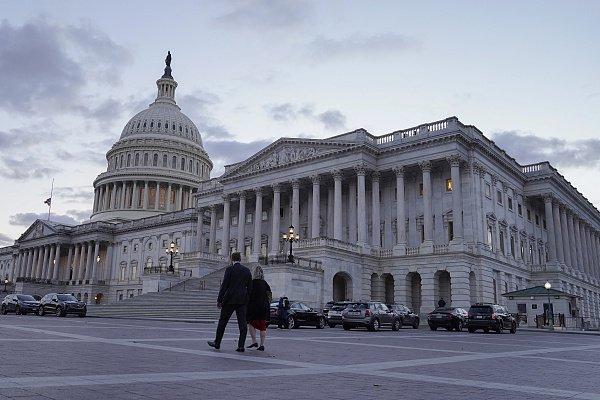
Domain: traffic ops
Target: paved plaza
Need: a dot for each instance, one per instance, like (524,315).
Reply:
(73,358)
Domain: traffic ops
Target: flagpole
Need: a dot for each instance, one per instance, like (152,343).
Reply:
(50,205)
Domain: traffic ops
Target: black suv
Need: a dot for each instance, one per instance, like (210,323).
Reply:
(490,317)
(61,304)
(19,304)
(407,317)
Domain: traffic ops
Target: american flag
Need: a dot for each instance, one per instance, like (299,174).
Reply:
(48,201)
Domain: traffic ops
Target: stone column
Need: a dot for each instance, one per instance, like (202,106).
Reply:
(110,265)
(156,195)
(296,204)
(338,232)
(76,257)
(276,219)
(241,231)
(47,272)
(584,254)
(428,300)
(577,235)
(457,209)
(43,263)
(29,263)
(400,247)
(55,271)
(14,270)
(483,218)
(551,236)
(213,230)
(180,198)
(190,198)
(96,193)
(135,199)
(375,210)
(88,261)
(560,255)
(597,244)
(92,278)
(361,204)
(594,251)
(145,203)
(113,196)
(69,262)
(572,242)
(316,206)
(565,235)
(81,267)
(100,198)
(225,238)
(168,199)
(123,194)
(106,205)
(427,245)
(588,245)
(200,231)
(352,213)
(256,242)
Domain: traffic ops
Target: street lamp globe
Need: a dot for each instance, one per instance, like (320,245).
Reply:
(547,285)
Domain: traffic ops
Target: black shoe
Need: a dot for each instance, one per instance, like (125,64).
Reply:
(213,344)
(261,348)
(240,349)
(252,346)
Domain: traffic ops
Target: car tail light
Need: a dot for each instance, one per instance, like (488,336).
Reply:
(494,316)
(367,313)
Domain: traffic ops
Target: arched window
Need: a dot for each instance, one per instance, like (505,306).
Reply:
(145,159)
(158,124)
(151,124)
(138,125)
(155,160)
(180,128)
(182,165)
(173,125)
(197,168)
(144,124)
(190,169)
(174,162)
(137,159)
(128,160)
(165,161)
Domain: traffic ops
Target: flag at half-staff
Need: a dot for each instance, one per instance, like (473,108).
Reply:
(48,201)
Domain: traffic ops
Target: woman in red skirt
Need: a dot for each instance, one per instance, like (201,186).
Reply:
(259,308)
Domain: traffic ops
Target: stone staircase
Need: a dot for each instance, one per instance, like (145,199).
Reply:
(193,299)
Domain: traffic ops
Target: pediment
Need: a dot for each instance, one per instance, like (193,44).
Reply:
(38,229)
(286,152)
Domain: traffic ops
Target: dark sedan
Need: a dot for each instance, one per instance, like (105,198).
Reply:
(19,304)
(299,314)
(451,318)
(62,304)
(407,317)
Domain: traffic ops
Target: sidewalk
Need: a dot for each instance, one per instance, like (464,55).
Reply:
(564,331)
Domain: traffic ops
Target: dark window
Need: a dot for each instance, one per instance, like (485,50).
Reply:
(66,297)
(545,224)
(499,196)
(510,204)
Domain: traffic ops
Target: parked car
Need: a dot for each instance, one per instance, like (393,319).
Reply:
(334,317)
(61,304)
(327,307)
(371,315)
(19,304)
(407,317)
(447,317)
(299,315)
(490,317)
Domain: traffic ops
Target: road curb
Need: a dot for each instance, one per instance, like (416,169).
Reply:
(564,332)
(189,321)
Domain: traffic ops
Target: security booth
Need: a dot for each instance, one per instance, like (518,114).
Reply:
(540,307)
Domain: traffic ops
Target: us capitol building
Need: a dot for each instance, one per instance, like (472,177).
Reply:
(432,211)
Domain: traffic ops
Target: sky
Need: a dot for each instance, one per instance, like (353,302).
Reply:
(250,72)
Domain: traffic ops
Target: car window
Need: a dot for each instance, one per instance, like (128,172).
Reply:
(485,310)
(296,306)
(358,306)
(384,307)
(25,297)
(66,297)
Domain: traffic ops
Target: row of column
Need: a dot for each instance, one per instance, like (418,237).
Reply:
(43,262)
(357,209)
(572,241)
(136,194)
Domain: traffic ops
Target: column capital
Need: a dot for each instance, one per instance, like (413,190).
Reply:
(548,197)
(225,197)
(360,169)
(276,188)
(337,174)
(295,183)
(399,170)
(495,179)
(425,166)
(258,191)
(454,160)
(316,179)
(375,176)
(241,194)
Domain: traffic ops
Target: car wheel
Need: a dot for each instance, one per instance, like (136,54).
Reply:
(82,315)
(41,311)
(321,323)
(346,327)
(396,325)
(291,324)
(486,330)
(417,323)
(374,327)
(471,330)
(433,328)
(332,325)
(459,326)
(448,328)
(513,328)
(3,310)
(18,310)
(58,312)
(499,328)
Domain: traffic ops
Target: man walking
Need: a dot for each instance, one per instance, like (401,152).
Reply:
(233,296)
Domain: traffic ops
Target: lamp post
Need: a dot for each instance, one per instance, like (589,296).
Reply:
(291,237)
(172,249)
(5,283)
(548,286)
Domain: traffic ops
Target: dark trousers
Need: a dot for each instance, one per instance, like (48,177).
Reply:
(226,312)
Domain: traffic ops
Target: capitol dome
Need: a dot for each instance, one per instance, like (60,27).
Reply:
(157,163)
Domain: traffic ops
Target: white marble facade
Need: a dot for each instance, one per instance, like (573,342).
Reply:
(432,211)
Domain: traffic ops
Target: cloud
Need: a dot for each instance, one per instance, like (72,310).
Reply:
(266,14)
(78,194)
(47,66)
(529,148)
(25,168)
(225,152)
(26,219)
(6,240)
(199,106)
(360,44)
(80,215)
(286,112)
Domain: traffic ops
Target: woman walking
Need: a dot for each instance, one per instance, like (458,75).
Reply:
(259,308)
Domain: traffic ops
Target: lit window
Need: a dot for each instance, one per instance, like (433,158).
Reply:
(448,185)
(264,216)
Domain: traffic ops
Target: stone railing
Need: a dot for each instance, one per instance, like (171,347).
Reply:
(410,132)
(538,268)
(412,251)
(382,253)
(537,167)
(440,248)
(300,262)
(204,256)
(322,241)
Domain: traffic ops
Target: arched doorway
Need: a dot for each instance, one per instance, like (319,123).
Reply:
(413,291)
(375,287)
(443,287)
(472,287)
(388,288)
(342,286)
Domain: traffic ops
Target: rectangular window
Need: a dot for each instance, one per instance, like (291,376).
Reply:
(537,220)
(420,189)
(450,230)
(234,221)
(220,224)
(512,246)
(545,224)
(502,243)
(520,209)
(499,197)
(264,216)
(249,218)
(490,237)
(164,244)
(528,215)
(178,241)
(488,191)
(281,212)
(522,308)
(124,249)
(510,204)
(448,185)
(135,247)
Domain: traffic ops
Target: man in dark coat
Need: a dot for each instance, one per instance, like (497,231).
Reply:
(441,302)
(233,296)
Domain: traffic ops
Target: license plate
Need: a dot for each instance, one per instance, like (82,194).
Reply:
(354,312)
(439,316)
(479,316)
(334,312)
